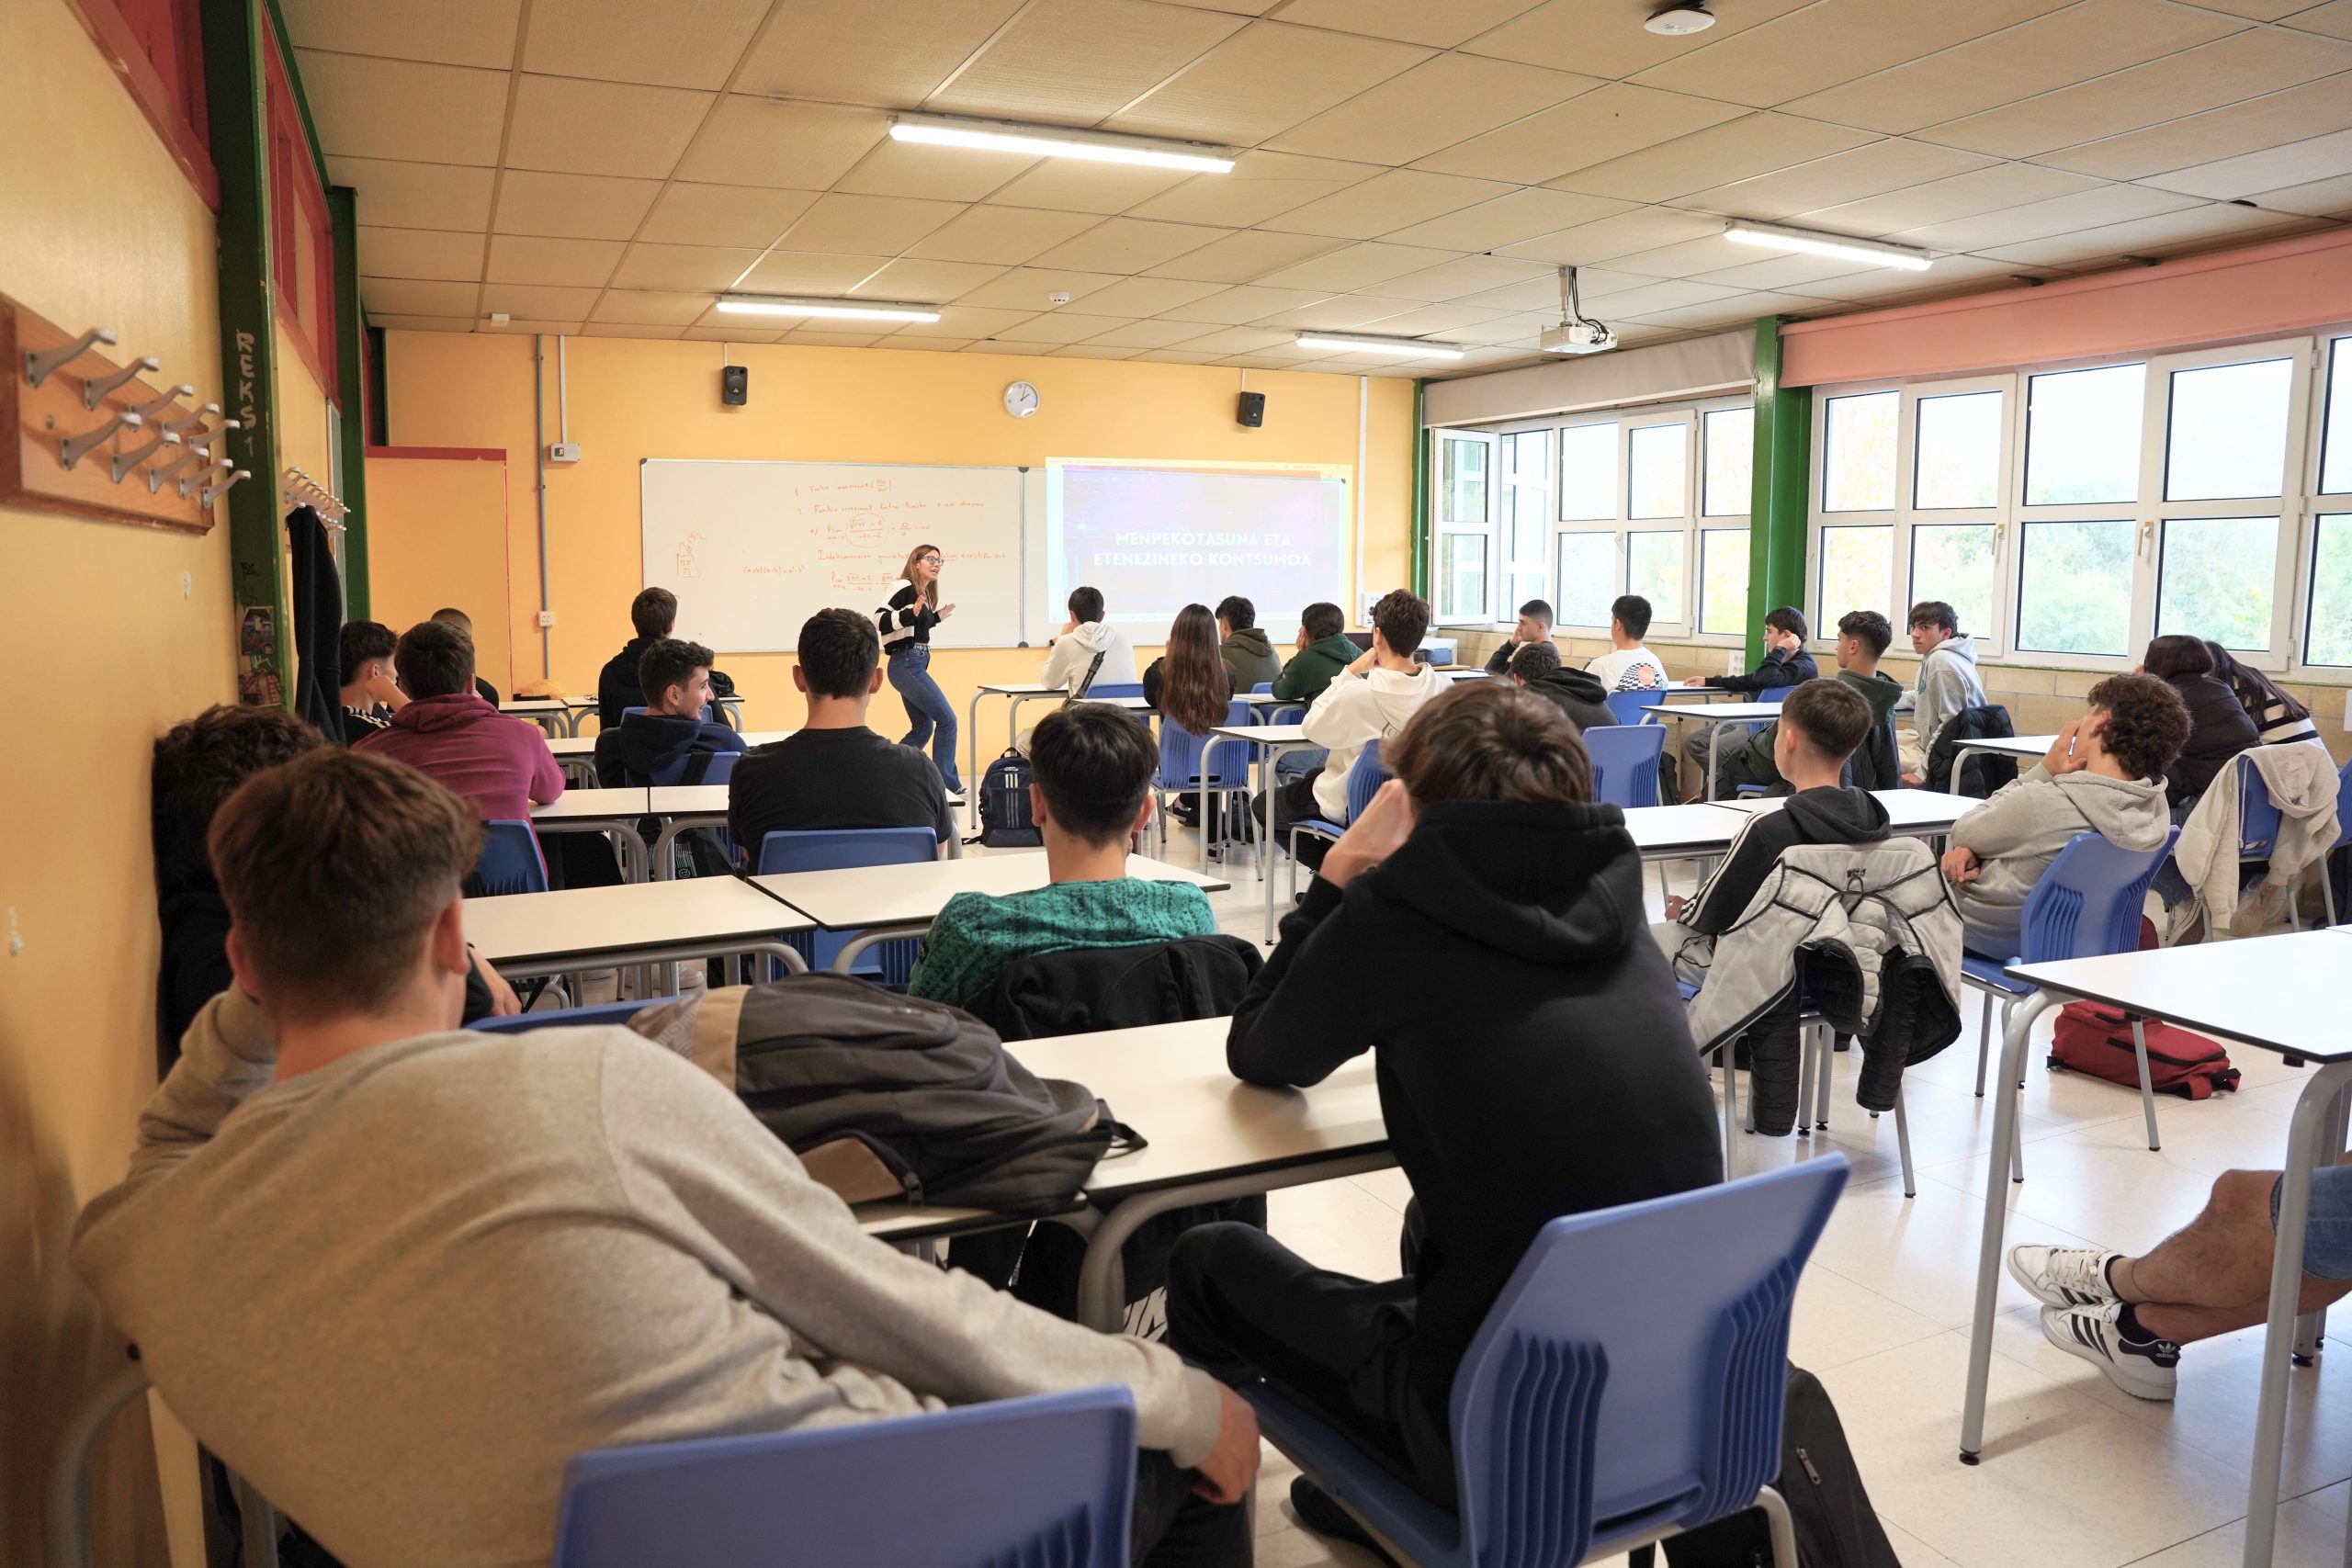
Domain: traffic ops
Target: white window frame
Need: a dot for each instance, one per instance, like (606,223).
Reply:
(1443,527)
(1509,568)
(2319,503)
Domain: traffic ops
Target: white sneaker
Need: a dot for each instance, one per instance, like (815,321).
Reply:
(2062,1276)
(2145,1369)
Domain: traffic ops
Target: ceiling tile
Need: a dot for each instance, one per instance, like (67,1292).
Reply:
(2256,10)
(1521,215)
(420,253)
(1690,258)
(2333,19)
(966,323)
(476,34)
(1949,275)
(516,258)
(572,126)
(1607,123)
(1244,257)
(1057,326)
(731,333)
(1431,107)
(933,345)
(1386,202)
(1427,318)
(649,308)
(1265,79)
(866,225)
(1068,185)
(891,52)
(812,338)
(723,215)
(520,326)
(1176,356)
(1739,310)
(1661,295)
(758,141)
(1090,351)
(1519,329)
(710,268)
(2275,120)
(542,301)
(1407,21)
(1821,45)
(576,206)
(942,174)
(1259,186)
(407,296)
(1643,229)
(2039,55)
(1543,294)
(1789,272)
(369,107)
(1231,306)
(1074,61)
(1129,244)
(2042,220)
(1605,38)
(1752,144)
(2186,230)
(1359,266)
(2275,168)
(1341,313)
(640,330)
(1148,334)
(2260,59)
(1940,201)
(1236,339)
(929,281)
(808,271)
(1841,176)
(1002,235)
(1032,287)
(1144,296)
(626,41)
(398,324)
(2323,198)
(416,196)
(1471,275)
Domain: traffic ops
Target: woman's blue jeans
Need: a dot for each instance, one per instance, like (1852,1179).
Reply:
(931,720)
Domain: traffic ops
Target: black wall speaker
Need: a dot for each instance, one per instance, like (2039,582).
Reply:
(735,385)
(1253,410)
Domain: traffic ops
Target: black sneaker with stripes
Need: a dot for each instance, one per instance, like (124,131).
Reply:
(2142,1366)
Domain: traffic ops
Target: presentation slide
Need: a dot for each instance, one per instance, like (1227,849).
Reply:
(1156,536)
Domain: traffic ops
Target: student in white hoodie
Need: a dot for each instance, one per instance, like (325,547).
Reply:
(1085,635)
(1369,700)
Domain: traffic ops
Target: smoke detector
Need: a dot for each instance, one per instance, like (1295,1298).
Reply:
(1681,21)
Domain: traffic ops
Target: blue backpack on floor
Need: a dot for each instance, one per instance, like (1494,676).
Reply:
(1005,820)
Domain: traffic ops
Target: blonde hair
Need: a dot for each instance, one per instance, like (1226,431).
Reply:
(928,591)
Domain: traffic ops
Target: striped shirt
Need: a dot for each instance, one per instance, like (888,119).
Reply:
(906,618)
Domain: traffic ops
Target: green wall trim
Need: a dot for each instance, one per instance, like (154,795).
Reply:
(1420,549)
(350,374)
(1776,526)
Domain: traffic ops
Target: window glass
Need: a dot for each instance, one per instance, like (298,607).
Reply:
(2336,449)
(1857,564)
(1660,463)
(1589,473)
(1959,453)
(1587,579)
(2216,580)
(2075,587)
(1654,571)
(1723,580)
(2228,435)
(1858,456)
(1954,562)
(1462,575)
(2082,436)
(1731,462)
(2328,639)
(1462,480)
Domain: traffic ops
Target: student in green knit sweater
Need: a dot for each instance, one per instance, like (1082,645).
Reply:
(1091,795)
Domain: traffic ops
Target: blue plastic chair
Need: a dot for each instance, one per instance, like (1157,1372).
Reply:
(1627,1383)
(1633,707)
(559,1018)
(720,769)
(709,710)
(511,862)
(833,849)
(1273,713)
(1181,754)
(2258,821)
(1364,778)
(1624,763)
(1023,1482)
(1114,689)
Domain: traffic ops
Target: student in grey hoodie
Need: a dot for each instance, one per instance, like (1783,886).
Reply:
(1241,645)
(1948,681)
(2105,773)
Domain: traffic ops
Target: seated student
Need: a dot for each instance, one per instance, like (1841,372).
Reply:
(2129,1316)
(1535,626)
(1948,682)
(1630,667)
(1083,636)
(371,694)
(1537,667)
(655,613)
(621,1254)
(1371,698)
(1093,767)
(2277,718)
(836,771)
(1192,685)
(1480,929)
(671,733)
(499,763)
(1243,646)
(1786,663)
(1323,649)
(2105,773)
(464,622)
(2219,725)
(1863,636)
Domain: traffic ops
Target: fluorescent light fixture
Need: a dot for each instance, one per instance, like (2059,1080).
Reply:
(849,309)
(1059,142)
(1400,347)
(1873,253)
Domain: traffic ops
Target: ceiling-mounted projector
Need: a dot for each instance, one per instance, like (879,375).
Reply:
(1575,334)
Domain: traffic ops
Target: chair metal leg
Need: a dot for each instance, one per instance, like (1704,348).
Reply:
(1983,1043)
(2017,1141)
(2147,1092)
(1780,1526)
(2008,1006)
(1804,1080)
(1902,1144)
(1825,1043)
(1731,1108)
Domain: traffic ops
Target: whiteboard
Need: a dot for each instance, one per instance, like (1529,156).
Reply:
(752,550)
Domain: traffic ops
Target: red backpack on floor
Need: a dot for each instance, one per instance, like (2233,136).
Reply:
(2094,1039)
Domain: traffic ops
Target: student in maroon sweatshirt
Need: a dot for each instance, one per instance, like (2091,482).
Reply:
(499,762)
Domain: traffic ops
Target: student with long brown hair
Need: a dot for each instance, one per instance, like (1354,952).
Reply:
(1191,683)
(905,623)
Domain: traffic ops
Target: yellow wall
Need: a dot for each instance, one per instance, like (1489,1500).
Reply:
(436,533)
(97,226)
(632,399)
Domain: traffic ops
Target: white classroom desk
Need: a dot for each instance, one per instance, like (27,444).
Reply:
(2279,993)
(1922,813)
(1714,715)
(556,716)
(1019,692)
(567,748)
(682,806)
(638,922)
(2027,748)
(613,811)
(1268,742)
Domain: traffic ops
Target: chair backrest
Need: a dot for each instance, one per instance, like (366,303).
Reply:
(709,712)
(558,1018)
(1772,694)
(1180,754)
(832,849)
(2087,902)
(1631,707)
(2344,801)
(1365,778)
(1019,1482)
(510,861)
(1630,1374)
(1624,763)
(1115,689)
(2257,814)
(718,768)
(1263,689)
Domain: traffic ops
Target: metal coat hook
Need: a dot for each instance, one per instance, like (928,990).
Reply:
(125,461)
(187,419)
(148,411)
(94,391)
(40,367)
(189,484)
(214,492)
(157,474)
(73,448)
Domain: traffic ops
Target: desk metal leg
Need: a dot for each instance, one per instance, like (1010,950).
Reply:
(1268,775)
(972,739)
(2006,1111)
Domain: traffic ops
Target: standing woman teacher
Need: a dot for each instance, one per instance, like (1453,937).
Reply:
(906,622)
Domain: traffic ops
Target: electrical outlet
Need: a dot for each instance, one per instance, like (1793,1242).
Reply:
(547,619)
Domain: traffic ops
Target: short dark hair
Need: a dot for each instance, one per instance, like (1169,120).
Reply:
(1093,763)
(1828,716)
(2170,656)
(1402,618)
(1632,612)
(1539,609)
(2147,724)
(1236,613)
(1935,612)
(1086,604)
(363,640)
(1868,627)
(448,616)
(1787,618)
(1490,740)
(201,763)
(839,649)
(1322,620)
(435,659)
(1536,659)
(668,662)
(654,613)
(335,867)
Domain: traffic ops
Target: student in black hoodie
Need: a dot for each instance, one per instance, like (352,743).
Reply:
(660,745)
(1547,1071)
(1536,666)
(655,613)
